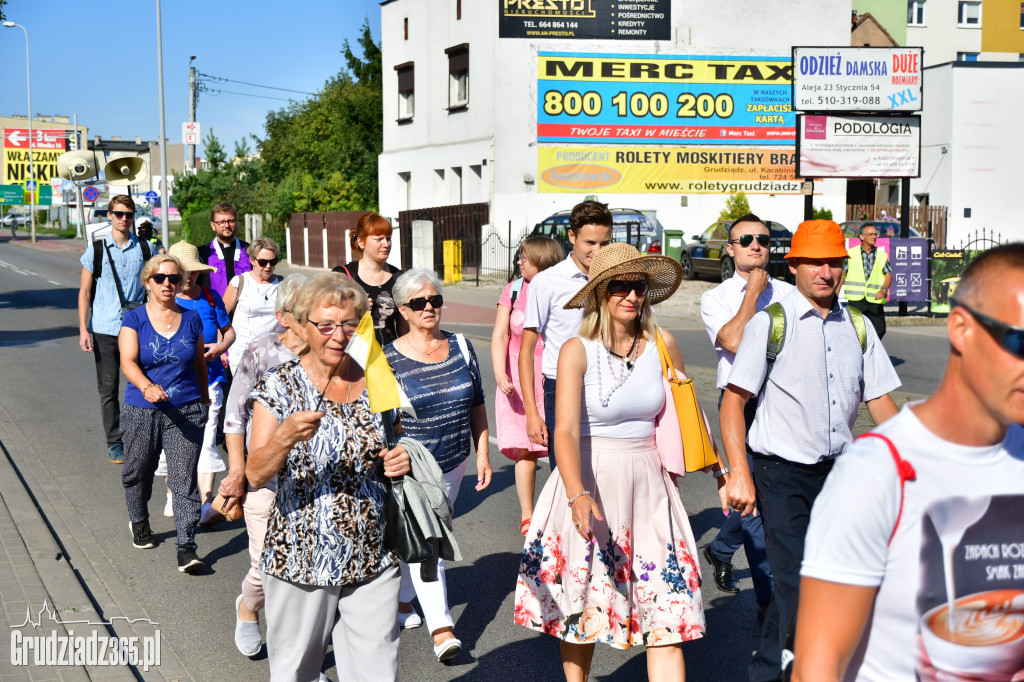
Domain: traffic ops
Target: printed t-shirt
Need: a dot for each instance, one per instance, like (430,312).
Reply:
(166,362)
(974,496)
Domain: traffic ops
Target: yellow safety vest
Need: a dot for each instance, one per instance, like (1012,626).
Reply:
(855,288)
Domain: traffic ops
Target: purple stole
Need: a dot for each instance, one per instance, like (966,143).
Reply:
(219,279)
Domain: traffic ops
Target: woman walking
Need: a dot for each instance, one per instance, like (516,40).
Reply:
(250,298)
(264,353)
(439,372)
(325,569)
(610,556)
(535,254)
(165,405)
(371,240)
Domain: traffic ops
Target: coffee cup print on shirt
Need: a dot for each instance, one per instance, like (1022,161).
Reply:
(971,599)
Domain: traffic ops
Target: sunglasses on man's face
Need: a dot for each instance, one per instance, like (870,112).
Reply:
(160,277)
(123,214)
(1009,337)
(263,262)
(418,304)
(622,287)
(748,239)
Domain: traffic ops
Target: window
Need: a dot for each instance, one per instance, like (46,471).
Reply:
(458,76)
(915,12)
(969,14)
(406,92)
(967,56)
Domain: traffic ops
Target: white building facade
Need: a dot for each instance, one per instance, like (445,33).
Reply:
(971,148)
(461,109)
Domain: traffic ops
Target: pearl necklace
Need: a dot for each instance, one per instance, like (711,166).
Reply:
(625,369)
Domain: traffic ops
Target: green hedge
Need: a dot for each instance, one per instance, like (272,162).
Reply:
(196,224)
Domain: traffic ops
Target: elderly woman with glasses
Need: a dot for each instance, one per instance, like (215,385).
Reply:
(250,298)
(325,570)
(264,353)
(439,372)
(162,356)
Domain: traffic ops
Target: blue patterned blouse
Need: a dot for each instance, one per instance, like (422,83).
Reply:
(326,527)
(442,393)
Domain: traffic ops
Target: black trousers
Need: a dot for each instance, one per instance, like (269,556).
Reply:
(108,382)
(785,494)
(549,418)
(875,312)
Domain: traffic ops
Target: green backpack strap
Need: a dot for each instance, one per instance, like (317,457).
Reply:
(777,333)
(857,320)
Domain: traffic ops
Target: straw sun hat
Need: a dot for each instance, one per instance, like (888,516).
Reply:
(188,254)
(663,274)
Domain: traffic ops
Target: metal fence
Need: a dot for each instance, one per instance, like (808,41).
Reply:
(462,222)
(321,240)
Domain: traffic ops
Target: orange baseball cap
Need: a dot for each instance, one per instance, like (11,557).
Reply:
(818,239)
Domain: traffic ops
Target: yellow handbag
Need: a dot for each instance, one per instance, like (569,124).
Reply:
(698,450)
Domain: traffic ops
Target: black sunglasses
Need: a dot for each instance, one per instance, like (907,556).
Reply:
(418,304)
(123,214)
(748,239)
(1009,337)
(160,277)
(622,287)
(263,262)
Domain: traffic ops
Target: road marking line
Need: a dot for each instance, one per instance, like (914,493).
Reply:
(56,284)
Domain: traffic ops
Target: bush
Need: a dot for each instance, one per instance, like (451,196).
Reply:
(821,214)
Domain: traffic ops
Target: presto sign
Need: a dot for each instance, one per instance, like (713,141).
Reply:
(857,78)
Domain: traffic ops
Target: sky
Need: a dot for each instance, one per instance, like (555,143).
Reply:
(99,60)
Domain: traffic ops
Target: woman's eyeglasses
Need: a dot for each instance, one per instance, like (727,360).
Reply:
(263,262)
(622,287)
(327,327)
(748,239)
(418,304)
(1009,337)
(160,277)
(122,214)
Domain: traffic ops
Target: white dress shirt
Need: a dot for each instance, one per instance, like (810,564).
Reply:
(807,407)
(549,291)
(719,305)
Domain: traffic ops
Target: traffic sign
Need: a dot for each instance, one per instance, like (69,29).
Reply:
(11,194)
(190,132)
(30,185)
(43,197)
(90,194)
(152,197)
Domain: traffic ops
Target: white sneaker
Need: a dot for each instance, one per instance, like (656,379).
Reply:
(407,621)
(247,633)
(169,507)
(448,649)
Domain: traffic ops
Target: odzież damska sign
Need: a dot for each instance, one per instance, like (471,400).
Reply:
(858,146)
(571,19)
(857,78)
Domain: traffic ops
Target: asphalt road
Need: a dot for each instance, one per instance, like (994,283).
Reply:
(49,391)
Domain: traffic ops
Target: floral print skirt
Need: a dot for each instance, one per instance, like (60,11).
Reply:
(637,581)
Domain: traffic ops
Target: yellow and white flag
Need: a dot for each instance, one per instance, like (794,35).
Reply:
(383,389)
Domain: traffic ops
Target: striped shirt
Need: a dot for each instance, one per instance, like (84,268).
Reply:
(442,393)
(807,407)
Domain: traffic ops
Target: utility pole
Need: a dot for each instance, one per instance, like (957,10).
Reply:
(191,163)
(165,213)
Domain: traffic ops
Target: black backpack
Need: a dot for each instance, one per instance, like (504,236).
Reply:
(97,262)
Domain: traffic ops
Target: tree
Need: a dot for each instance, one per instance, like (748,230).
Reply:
(242,150)
(736,206)
(821,214)
(214,150)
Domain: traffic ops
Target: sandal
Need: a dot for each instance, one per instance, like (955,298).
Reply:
(524,526)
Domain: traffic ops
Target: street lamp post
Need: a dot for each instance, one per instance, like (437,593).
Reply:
(31,165)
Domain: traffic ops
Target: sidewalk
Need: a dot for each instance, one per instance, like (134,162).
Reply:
(51,587)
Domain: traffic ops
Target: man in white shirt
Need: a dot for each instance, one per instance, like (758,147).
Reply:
(590,228)
(807,405)
(726,309)
(891,545)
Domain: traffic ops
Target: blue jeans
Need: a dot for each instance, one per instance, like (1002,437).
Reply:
(549,418)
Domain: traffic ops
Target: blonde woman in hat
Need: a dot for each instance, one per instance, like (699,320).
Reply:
(610,556)
(218,335)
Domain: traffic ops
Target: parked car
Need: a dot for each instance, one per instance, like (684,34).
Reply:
(707,254)
(15,219)
(886,228)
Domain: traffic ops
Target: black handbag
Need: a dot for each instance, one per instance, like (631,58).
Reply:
(402,534)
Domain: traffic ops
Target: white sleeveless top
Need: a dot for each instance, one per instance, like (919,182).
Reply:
(254,314)
(633,407)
